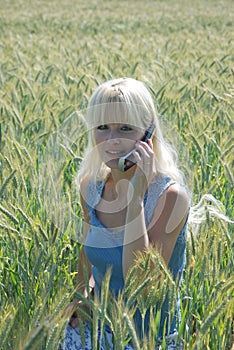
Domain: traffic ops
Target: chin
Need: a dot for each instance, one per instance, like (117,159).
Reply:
(113,163)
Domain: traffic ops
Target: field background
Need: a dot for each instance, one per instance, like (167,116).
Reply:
(52,55)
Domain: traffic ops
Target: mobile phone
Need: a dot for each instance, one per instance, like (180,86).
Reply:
(127,161)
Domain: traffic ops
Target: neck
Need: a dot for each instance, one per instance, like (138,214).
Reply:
(118,182)
(116,175)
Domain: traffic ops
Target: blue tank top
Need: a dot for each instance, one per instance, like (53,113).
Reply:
(104,248)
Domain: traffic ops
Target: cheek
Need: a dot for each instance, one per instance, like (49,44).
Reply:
(131,141)
(129,144)
(98,142)
(98,138)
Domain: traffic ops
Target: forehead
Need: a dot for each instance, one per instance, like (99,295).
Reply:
(117,113)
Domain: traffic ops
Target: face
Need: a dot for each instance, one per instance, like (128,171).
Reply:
(116,140)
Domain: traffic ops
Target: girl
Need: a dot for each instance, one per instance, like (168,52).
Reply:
(132,208)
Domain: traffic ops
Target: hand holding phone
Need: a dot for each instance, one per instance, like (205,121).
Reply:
(127,161)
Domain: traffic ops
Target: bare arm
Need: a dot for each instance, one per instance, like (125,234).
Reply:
(83,265)
(169,216)
(168,219)
(135,236)
(84,273)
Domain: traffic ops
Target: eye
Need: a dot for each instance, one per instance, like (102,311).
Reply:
(102,127)
(126,128)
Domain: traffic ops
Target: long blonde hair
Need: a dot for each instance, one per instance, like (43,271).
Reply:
(128,101)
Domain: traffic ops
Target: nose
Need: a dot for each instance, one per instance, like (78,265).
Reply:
(113,137)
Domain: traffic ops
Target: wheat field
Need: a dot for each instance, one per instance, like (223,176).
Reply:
(52,55)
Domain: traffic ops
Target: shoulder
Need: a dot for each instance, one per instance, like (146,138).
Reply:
(177,192)
(175,206)
(164,188)
(168,219)
(172,207)
(83,187)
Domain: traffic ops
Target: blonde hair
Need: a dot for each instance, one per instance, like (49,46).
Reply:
(128,101)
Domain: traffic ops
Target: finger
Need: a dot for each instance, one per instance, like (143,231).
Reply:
(140,161)
(137,156)
(141,147)
(145,153)
(150,143)
(146,146)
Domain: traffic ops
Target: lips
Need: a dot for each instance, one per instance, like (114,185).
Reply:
(115,153)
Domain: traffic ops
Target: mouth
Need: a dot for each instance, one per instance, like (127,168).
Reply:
(115,153)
